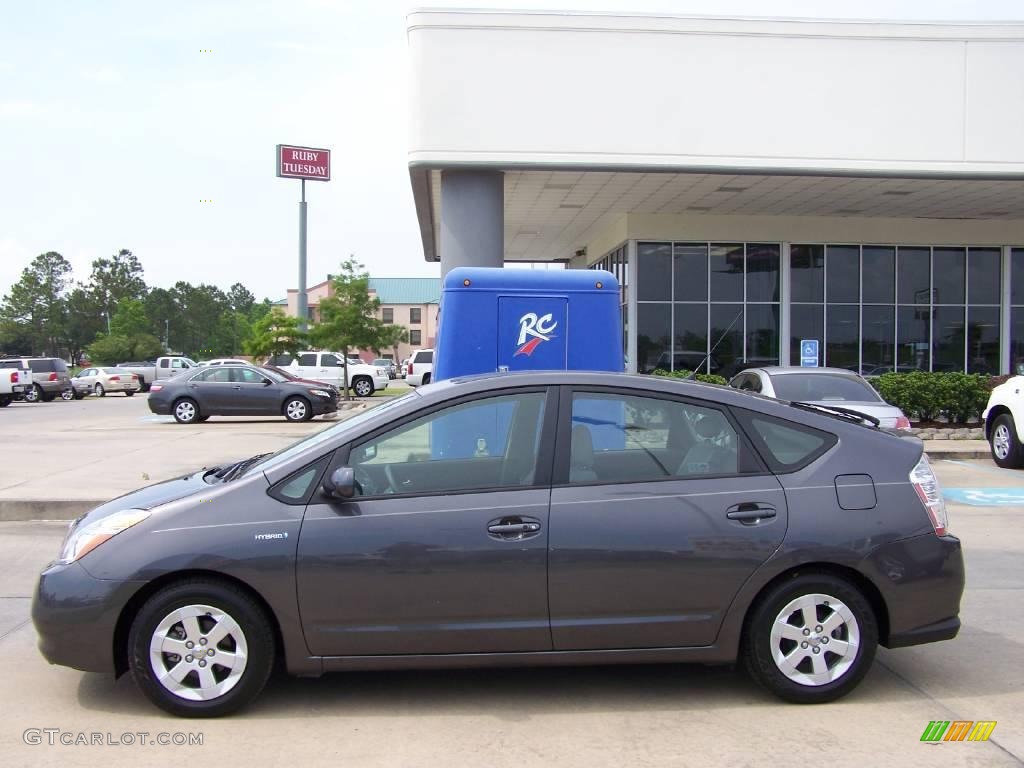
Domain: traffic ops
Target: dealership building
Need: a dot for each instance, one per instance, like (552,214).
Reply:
(758,181)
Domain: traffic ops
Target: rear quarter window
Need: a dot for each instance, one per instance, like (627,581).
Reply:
(43,365)
(786,446)
(424,357)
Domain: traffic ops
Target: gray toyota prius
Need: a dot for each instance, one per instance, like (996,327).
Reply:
(519,519)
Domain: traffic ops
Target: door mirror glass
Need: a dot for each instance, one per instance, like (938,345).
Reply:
(341,483)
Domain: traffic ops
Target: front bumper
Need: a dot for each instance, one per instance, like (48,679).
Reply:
(380,382)
(921,580)
(321,406)
(76,615)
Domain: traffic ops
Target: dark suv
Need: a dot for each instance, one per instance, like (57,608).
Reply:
(50,377)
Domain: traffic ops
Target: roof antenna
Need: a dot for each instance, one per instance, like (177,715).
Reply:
(693,373)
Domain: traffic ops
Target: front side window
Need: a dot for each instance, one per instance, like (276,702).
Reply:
(330,361)
(247,376)
(307,358)
(479,445)
(627,438)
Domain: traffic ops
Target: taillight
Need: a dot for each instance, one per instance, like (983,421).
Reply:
(14,377)
(927,486)
(155,387)
(902,422)
(53,377)
(115,378)
(408,370)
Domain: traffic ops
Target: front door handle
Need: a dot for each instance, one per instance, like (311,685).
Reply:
(750,513)
(512,528)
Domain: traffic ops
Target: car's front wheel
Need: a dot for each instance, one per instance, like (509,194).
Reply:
(297,409)
(129,392)
(1005,445)
(99,390)
(811,638)
(67,394)
(362,386)
(186,411)
(200,648)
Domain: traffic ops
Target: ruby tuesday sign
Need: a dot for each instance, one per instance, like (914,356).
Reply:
(303,163)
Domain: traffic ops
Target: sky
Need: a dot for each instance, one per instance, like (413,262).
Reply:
(152,125)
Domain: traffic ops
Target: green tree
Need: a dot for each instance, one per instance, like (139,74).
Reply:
(115,279)
(35,308)
(130,319)
(348,319)
(84,322)
(275,334)
(240,298)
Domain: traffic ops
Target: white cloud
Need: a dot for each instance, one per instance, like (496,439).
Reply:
(104,74)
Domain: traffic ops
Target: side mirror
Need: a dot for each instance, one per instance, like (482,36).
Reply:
(267,382)
(341,483)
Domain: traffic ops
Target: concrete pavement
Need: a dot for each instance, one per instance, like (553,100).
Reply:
(626,716)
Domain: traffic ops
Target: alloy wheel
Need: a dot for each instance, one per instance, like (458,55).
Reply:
(815,639)
(198,652)
(363,388)
(1001,441)
(67,394)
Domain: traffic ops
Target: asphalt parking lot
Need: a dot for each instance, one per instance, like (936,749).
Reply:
(642,716)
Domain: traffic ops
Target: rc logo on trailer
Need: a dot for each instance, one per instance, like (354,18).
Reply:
(540,329)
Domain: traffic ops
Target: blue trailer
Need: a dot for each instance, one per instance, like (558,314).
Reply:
(524,320)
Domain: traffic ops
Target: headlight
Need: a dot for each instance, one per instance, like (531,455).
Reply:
(83,539)
(320,392)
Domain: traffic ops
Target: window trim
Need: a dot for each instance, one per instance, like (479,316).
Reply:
(745,417)
(560,477)
(545,456)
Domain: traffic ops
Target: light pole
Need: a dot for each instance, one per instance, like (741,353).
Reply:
(107,315)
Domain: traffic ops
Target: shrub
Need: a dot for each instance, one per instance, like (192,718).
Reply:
(706,378)
(923,396)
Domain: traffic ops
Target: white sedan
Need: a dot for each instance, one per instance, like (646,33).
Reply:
(100,381)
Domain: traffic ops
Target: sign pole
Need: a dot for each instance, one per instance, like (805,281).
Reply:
(302,300)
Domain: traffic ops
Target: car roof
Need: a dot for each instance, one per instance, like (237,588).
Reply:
(779,370)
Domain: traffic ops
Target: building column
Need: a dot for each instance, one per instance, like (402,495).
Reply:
(784,307)
(1005,323)
(631,306)
(472,219)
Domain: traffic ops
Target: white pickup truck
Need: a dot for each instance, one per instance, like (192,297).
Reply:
(162,368)
(15,381)
(329,367)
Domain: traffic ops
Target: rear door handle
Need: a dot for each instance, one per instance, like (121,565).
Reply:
(750,513)
(512,528)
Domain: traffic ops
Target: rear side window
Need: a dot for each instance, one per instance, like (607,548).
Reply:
(425,356)
(329,361)
(785,445)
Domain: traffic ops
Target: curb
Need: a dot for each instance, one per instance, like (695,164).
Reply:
(12,510)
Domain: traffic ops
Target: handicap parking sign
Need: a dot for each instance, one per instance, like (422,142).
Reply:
(809,353)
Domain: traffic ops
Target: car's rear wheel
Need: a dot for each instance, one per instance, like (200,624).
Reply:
(201,648)
(129,392)
(426,379)
(1006,447)
(186,411)
(811,638)
(5,400)
(362,386)
(99,390)
(67,394)
(297,409)
(34,395)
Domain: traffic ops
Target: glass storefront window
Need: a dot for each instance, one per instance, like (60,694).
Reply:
(983,276)
(948,275)
(691,329)
(948,339)
(726,272)
(806,321)
(762,334)
(728,356)
(913,339)
(842,274)
(762,272)
(653,327)
(807,273)
(654,260)
(913,275)
(690,265)
(982,339)
(878,330)
(842,336)
(879,271)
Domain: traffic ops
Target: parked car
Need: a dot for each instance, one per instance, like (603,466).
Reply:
(165,367)
(100,381)
(1004,420)
(50,378)
(420,367)
(239,390)
(529,518)
(404,367)
(223,361)
(827,387)
(387,365)
(329,367)
(15,381)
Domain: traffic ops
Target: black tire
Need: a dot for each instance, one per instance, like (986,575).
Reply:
(79,395)
(99,390)
(129,393)
(255,630)
(1004,443)
(5,400)
(144,386)
(757,643)
(363,386)
(297,408)
(47,397)
(182,413)
(34,395)
(201,419)
(426,379)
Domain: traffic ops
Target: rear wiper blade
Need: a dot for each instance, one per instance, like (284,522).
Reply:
(844,413)
(236,469)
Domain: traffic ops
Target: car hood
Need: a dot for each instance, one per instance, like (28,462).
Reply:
(152,496)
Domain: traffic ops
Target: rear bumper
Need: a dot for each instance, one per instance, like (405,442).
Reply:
(159,407)
(921,581)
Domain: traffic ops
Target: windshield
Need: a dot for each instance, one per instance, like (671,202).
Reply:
(324,435)
(823,387)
